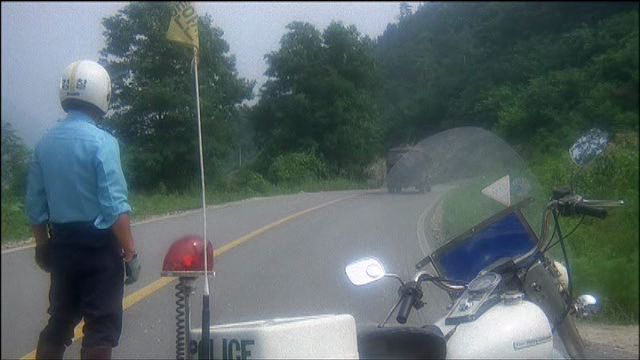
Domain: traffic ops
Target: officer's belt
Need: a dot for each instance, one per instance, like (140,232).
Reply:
(82,233)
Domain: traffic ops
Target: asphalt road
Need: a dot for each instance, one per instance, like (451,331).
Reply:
(293,269)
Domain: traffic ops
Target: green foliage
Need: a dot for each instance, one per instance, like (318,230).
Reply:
(15,167)
(15,162)
(15,224)
(614,175)
(614,281)
(600,90)
(295,168)
(241,185)
(537,72)
(154,108)
(145,205)
(319,98)
(245,180)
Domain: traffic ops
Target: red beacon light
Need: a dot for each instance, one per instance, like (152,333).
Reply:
(185,257)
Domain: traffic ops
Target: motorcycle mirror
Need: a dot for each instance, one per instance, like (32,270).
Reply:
(587,306)
(588,147)
(365,271)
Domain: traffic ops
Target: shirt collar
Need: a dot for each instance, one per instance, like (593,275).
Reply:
(76,115)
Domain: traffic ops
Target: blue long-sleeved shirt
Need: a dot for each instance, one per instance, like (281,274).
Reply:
(75,175)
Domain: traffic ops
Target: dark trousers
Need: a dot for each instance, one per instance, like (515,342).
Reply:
(87,281)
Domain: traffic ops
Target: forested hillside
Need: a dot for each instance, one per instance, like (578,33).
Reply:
(536,72)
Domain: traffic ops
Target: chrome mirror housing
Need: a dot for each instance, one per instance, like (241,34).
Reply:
(588,147)
(365,271)
(587,306)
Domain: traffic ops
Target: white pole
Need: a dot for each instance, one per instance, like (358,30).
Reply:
(204,203)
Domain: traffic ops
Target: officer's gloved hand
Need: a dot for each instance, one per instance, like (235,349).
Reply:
(132,270)
(43,256)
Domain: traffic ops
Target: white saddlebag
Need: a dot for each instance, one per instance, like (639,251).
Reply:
(321,336)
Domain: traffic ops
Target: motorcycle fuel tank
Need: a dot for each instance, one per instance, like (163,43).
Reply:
(513,328)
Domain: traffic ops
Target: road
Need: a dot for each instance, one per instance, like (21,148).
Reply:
(293,269)
(292,266)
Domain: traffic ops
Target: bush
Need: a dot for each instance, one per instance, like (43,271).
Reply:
(295,168)
(245,180)
(15,225)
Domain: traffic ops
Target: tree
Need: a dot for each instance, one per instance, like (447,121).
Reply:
(153,106)
(594,84)
(15,162)
(319,97)
(405,10)
(445,65)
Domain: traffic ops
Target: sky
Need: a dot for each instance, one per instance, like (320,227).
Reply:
(39,39)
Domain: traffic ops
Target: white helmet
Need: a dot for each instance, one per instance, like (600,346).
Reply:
(86,81)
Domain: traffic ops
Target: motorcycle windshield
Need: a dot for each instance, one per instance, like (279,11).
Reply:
(489,204)
(299,268)
(504,236)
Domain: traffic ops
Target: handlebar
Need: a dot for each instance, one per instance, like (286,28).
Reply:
(410,297)
(444,284)
(584,209)
(569,204)
(405,308)
(411,293)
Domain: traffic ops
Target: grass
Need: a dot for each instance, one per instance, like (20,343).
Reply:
(147,205)
(15,226)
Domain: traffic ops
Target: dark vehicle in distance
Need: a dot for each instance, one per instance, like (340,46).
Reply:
(402,163)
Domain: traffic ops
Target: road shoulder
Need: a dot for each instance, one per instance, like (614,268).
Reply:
(610,341)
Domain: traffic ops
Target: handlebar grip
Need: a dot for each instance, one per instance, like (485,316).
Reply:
(584,209)
(405,308)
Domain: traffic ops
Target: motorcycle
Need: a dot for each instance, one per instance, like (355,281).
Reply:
(508,296)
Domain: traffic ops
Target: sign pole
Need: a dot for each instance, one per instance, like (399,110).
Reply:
(205,349)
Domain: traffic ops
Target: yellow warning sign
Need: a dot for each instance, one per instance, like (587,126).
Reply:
(183,27)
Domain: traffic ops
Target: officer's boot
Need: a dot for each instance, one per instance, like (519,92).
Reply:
(48,351)
(96,353)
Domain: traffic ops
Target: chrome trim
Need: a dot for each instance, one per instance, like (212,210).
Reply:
(395,277)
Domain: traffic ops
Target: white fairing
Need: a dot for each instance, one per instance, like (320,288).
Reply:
(322,336)
(518,331)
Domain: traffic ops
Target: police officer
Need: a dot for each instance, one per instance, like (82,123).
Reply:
(77,204)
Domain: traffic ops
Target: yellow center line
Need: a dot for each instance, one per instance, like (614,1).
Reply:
(155,286)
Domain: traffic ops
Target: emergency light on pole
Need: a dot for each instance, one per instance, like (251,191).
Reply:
(187,256)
